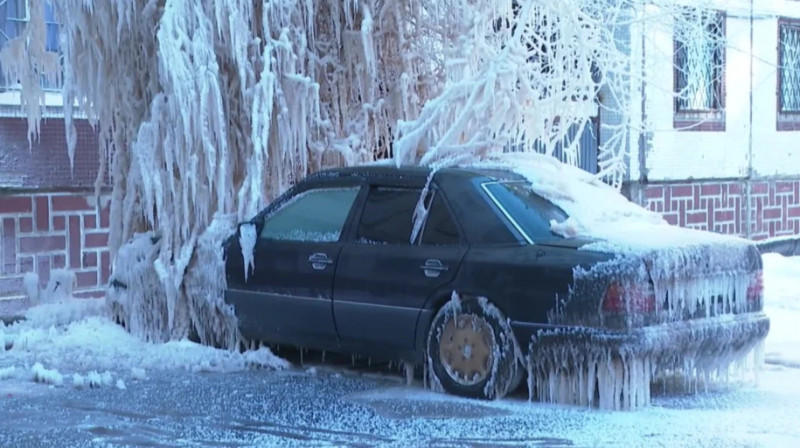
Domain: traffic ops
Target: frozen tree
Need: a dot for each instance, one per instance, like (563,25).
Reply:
(209,109)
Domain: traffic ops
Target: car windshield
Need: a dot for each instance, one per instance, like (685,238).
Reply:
(529,211)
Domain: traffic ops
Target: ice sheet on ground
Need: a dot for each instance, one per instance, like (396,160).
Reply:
(75,342)
(782,305)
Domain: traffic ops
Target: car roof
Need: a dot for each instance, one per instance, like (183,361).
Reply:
(384,171)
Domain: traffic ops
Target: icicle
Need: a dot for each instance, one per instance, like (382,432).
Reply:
(409,371)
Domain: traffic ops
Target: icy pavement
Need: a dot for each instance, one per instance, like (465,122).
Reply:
(782,305)
(335,408)
(96,385)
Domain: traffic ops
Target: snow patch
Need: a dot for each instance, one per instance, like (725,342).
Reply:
(7,372)
(782,305)
(79,339)
(31,282)
(46,376)
(138,373)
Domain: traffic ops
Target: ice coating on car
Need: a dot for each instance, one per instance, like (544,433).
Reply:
(247,240)
(673,286)
(587,371)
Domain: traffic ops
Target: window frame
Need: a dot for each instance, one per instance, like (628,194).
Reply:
(293,197)
(706,120)
(357,223)
(785,120)
(48,22)
(435,192)
(515,224)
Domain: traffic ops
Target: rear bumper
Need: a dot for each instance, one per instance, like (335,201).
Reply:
(697,339)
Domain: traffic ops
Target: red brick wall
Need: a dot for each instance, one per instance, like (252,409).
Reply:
(44,231)
(47,215)
(774,206)
(45,163)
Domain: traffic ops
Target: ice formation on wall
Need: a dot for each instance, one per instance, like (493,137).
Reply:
(210,109)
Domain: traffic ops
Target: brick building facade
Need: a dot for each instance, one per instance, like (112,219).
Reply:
(49,218)
(729,165)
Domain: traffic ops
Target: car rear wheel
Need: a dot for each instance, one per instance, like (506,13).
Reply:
(471,350)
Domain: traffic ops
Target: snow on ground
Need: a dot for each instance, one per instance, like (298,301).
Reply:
(74,342)
(782,305)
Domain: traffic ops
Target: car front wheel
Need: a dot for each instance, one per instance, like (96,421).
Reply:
(472,351)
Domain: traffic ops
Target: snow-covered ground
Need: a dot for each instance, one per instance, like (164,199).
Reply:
(782,305)
(103,387)
(75,343)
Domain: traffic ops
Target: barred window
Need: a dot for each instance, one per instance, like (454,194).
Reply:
(14,16)
(789,73)
(699,62)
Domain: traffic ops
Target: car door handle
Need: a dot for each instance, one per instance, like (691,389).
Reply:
(433,268)
(319,261)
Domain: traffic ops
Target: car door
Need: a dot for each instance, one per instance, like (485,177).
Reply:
(382,280)
(287,297)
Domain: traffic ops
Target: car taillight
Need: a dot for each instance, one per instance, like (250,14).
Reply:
(612,302)
(641,300)
(756,287)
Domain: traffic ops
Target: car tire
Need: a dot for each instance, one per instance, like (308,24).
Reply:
(471,350)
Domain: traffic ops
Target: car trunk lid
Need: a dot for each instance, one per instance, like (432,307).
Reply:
(658,284)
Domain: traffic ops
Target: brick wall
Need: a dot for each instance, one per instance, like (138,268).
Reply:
(723,206)
(44,231)
(48,217)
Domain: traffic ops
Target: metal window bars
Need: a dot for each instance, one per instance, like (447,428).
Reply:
(14,16)
(699,62)
(790,67)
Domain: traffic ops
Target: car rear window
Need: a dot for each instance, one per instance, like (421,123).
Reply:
(529,211)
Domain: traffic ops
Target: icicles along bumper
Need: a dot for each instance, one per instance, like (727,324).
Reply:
(647,313)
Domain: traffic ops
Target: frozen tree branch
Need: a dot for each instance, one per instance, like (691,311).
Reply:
(207,110)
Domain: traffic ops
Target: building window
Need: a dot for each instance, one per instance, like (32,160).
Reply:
(700,71)
(788,75)
(14,16)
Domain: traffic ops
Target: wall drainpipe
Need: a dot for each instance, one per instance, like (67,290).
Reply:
(749,178)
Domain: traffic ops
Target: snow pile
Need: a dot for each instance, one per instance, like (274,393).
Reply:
(47,376)
(782,305)
(60,286)
(76,342)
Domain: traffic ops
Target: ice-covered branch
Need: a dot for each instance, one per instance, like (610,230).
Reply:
(207,110)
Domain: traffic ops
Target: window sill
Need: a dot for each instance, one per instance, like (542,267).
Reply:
(788,121)
(700,121)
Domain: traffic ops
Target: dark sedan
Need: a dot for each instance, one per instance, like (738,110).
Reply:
(335,268)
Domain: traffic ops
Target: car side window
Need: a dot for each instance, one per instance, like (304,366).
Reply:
(440,228)
(315,216)
(388,216)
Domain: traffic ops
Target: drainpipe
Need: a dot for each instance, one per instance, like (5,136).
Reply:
(749,178)
(642,141)
(642,134)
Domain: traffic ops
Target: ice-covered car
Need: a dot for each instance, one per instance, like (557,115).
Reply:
(467,271)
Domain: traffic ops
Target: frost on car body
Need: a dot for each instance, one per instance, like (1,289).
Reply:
(669,299)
